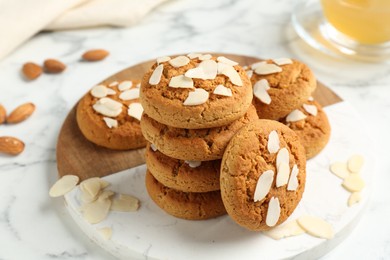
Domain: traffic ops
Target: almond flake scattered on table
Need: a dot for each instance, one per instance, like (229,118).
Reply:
(267,68)
(354,198)
(316,227)
(285,230)
(111,123)
(179,61)
(355,163)
(222,91)
(124,85)
(295,115)
(282,61)
(63,185)
(273,144)
(99,91)
(293,181)
(273,212)
(263,185)
(135,110)
(233,75)
(227,61)
(163,59)
(181,81)
(156,75)
(130,94)
(197,97)
(260,91)
(90,189)
(97,210)
(125,203)
(193,164)
(353,182)
(311,109)
(339,169)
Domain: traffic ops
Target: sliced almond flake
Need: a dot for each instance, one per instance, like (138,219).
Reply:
(295,115)
(227,61)
(163,59)
(103,183)
(179,61)
(316,227)
(221,66)
(193,164)
(99,91)
(273,144)
(205,57)
(111,123)
(97,210)
(282,61)
(63,185)
(195,73)
(353,182)
(154,148)
(209,68)
(110,103)
(129,94)
(273,212)
(156,75)
(108,107)
(263,185)
(310,99)
(260,91)
(283,174)
(135,110)
(293,181)
(311,109)
(113,84)
(257,64)
(355,163)
(339,169)
(245,67)
(354,198)
(266,69)
(125,203)
(249,73)
(233,75)
(288,229)
(197,97)
(124,85)
(194,55)
(181,81)
(90,189)
(138,85)
(106,195)
(105,232)
(110,92)
(223,91)
(283,156)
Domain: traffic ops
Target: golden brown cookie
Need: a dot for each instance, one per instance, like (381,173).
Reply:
(193,144)
(278,93)
(194,93)
(109,115)
(187,176)
(186,205)
(311,125)
(256,193)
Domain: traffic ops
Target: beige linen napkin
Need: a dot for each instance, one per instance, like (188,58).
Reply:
(21,19)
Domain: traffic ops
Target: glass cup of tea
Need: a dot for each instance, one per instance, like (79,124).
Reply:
(356,28)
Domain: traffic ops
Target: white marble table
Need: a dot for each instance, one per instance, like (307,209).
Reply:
(33,226)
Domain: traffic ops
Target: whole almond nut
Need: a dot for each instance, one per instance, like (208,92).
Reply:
(54,66)
(11,145)
(31,70)
(21,113)
(3,114)
(95,55)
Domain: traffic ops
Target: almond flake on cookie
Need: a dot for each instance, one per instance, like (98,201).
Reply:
(288,229)
(283,156)
(295,116)
(179,61)
(282,61)
(249,73)
(353,182)
(355,163)
(153,147)
(221,66)
(260,91)
(111,123)
(310,99)
(110,92)
(195,73)
(263,185)
(316,227)
(124,85)
(197,97)
(135,110)
(257,64)
(293,181)
(108,107)
(266,69)
(233,75)
(181,81)
(205,57)
(273,212)
(163,59)
(194,55)
(63,185)
(113,84)
(222,91)
(339,169)
(210,69)
(354,198)
(125,203)
(273,144)
(283,174)
(99,91)
(193,164)
(227,61)
(156,75)
(138,85)
(129,94)
(311,109)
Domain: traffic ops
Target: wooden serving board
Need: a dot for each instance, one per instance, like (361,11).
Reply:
(77,156)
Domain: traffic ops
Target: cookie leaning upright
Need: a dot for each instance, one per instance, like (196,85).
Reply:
(280,86)
(263,173)
(196,91)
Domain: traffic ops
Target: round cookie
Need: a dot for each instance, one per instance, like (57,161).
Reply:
(186,176)
(313,130)
(111,128)
(186,205)
(288,89)
(246,174)
(193,144)
(191,103)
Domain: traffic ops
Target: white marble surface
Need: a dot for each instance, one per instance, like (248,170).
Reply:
(32,226)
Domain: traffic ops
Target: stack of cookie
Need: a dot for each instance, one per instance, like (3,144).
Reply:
(282,90)
(193,105)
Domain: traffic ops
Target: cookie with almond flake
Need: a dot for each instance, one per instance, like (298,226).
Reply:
(311,125)
(109,115)
(187,176)
(280,86)
(186,205)
(196,91)
(263,173)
